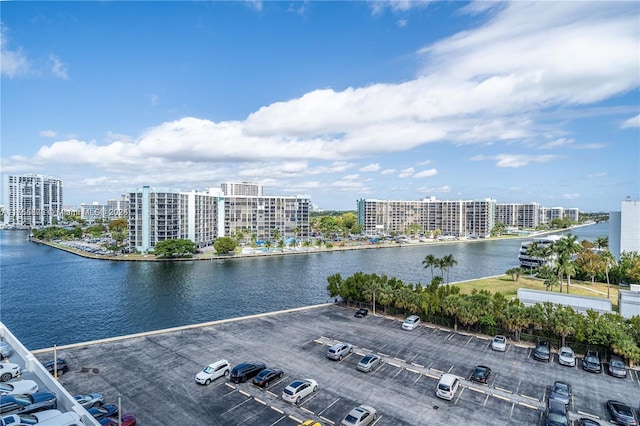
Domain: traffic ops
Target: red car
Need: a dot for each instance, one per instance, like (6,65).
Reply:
(125,420)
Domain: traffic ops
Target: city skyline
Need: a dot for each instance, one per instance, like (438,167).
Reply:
(522,102)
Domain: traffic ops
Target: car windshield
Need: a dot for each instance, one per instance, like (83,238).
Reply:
(616,363)
(560,390)
(367,359)
(444,387)
(623,409)
(566,354)
(351,419)
(499,339)
(543,349)
(5,387)
(208,369)
(22,399)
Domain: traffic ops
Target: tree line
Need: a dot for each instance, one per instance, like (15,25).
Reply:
(482,310)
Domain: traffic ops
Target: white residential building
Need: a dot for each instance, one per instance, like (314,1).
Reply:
(624,228)
(32,200)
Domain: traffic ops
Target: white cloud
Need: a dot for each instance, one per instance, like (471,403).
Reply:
(597,175)
(424,163)
(557,143)
(13,61)
(388,172)
(406,172)
(58,68)
(426,173)
(402,23)
(570,196)
(515,160)
(370,168)
(255,4)
(154,100)
(434,189)
(378,6)
(631,122)
(47,133)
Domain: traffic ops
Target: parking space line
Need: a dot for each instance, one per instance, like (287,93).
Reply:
(417,365)
(307,410)
(365,350)
(245,393)
(436,370)
(383,354)
(276,409)
(319,341)
(295,419)
(260,401)
(475,389)
(327,420)
(396,375)
(237,405)
(582,413)
(459,395)
(230,385)
(524,404)
(394,364)
(470,339)
(504,398)
(449,337)
(433,377)
(398,359)
(530,397)
(502,389)
(271,393)
(485,400)
(449,370)
(329,406)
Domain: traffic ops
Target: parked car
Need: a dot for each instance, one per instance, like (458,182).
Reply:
(89,400)
(591,362)
(18,387)
(481,374)
(587,422)
(65,419)
(363,415)
(447,386)
(556,413)
(617,368)
(542,352)
(339,351)
(213,371)
(299,389)
(8,371)
(267,376)
(25,404)
(499,343)
(29,419)
(411,322)
(566,356)
(5,349)
(60,364)
(125,420)
(245,371)
(561,392)
(622,414)
(369,362)
(310,423)
(107,410)
(361,313)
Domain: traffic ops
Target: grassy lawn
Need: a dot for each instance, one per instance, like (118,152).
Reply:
(509,288)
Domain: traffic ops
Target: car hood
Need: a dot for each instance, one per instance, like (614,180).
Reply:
(202,375)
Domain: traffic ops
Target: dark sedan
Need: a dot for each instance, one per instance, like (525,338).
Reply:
(591,362)
(561,392)
(267,376)
(617,368)
(361,313)
(60,364)
(107,410)
(622,414)
(245,371)
(481,374)
(542,352)
(24,404)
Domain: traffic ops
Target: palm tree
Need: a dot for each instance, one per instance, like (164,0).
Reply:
(451,306)
(448,262)
(564,322)
(514,318)
(372,286)
(602,242)
(276,234)
(281,245)
(609,262)
(533,250)
(429,262)
(565,248)
(515,273)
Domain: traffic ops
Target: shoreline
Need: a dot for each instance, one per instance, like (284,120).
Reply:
(301,251)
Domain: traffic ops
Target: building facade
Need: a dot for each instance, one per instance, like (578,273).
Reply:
(32,200)
(157,214)
(519,215)
(624,228)
(248,189)
(461,218)
(111,210)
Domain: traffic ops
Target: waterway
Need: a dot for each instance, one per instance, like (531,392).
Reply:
(48,296)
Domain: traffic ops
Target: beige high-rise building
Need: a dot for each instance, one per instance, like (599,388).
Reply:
(32,200)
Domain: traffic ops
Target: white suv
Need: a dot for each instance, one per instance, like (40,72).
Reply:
(213,371)
(411,322)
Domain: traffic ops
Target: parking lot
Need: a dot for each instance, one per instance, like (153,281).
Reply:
(154,375)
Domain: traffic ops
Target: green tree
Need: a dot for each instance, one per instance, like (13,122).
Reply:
(372,286)
(564,322)
(429,262)
(607,261)
(174,248)
(564,249)
(447,263)
(451,306)
(514,318)
(276,234)
(225,245)
(515,273)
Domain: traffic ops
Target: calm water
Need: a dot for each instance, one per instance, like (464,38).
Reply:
(48,296)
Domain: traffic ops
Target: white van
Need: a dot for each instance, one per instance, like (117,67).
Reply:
(447,386)
(411,322)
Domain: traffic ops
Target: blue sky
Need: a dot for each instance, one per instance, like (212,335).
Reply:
(520,101)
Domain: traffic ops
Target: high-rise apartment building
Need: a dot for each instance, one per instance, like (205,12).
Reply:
(624,229)
(32,200)
(157,214)
(460,218)
(519,215)
(248,189)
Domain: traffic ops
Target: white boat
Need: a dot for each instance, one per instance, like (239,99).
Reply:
(529,261)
